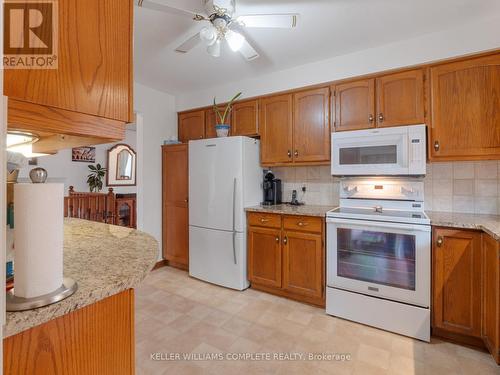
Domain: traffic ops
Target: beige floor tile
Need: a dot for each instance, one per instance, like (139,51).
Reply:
(373,356)
(179,314)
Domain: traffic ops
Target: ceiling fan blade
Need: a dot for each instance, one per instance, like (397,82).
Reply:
(282,21)
(162,7)
(248,52)
(189,44)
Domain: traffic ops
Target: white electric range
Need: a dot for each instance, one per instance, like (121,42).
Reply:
(378,255)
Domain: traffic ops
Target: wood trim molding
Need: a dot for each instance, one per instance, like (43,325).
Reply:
(44,119)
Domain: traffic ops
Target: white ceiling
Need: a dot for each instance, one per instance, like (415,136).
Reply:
(326,28)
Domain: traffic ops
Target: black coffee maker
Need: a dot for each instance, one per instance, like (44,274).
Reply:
(272,189)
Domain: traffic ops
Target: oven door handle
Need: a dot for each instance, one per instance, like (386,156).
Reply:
(381,224)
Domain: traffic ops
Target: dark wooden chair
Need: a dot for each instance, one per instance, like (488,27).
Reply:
(98,207)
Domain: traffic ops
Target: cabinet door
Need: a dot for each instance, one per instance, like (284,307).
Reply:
(175,204)
(457,281)
(355,105)
(276,129)
(264,256)
(491,296)
(245,119)
(400,99)
(303,263)
(211,119)
(465,115)
(94,73)
(311,125)
(191,126)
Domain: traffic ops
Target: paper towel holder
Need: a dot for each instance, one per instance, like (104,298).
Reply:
(14,303)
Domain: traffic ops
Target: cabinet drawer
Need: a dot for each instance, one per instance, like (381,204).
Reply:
(303,223)
(264,220)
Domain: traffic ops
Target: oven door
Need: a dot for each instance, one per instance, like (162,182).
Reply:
(368,152)
(386,260)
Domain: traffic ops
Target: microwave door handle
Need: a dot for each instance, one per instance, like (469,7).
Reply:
(381,224)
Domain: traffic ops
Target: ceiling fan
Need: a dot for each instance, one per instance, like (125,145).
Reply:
(224,25)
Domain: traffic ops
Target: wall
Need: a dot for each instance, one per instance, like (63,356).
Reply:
(464,39)
(157,122)
(60,168)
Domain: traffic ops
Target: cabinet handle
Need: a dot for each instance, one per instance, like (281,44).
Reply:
(296,153)
(439,241)
(289,153)
(264,220)
(277,240)
(381,117)
(302,224)
(436,145)
(370,118)
(285,240)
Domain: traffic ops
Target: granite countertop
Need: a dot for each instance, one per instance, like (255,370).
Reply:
(104,260)
(488,223)
(286,209)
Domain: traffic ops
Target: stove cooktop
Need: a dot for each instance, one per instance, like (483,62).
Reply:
(380,214)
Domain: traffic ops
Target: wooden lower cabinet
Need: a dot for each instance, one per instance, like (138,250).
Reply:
(286,256)
(264,259)
(491,296)
(96,339)
(303,264)
(466,288)
(457,281)
(175,222)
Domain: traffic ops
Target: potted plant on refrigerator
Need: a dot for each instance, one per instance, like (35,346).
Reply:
(222,115)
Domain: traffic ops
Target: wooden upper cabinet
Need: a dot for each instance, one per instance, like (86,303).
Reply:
(264,256)
(95,63)
(175,221)
(457,281)
(491,296)
(400,99)
(276,129)
(245,118)
(465,109)
(303,263)
(355,105)
(191,126)
(311,125)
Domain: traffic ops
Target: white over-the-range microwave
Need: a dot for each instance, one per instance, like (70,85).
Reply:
(399,151)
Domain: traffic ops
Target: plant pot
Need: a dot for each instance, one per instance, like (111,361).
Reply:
(222,130)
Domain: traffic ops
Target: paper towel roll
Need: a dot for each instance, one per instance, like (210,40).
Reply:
(39,235)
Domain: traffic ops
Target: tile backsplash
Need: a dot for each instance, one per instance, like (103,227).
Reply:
(470,187)
(321,187)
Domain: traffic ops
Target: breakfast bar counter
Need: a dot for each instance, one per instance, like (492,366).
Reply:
(92,331)
(103,259)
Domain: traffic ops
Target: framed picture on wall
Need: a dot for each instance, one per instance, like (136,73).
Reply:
(83,154)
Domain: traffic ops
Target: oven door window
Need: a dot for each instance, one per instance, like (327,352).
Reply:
(368,155)
(378,257)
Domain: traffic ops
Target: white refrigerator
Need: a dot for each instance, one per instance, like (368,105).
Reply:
(224,178)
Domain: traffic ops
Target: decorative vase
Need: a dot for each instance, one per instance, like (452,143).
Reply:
(222,130)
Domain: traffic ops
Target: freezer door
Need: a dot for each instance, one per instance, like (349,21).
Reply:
(212,255)
(215,184)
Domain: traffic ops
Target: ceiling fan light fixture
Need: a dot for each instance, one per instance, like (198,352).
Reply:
(214,49)
(235,40)
(208,35)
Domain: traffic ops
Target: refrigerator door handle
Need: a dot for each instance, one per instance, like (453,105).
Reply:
(234,221)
